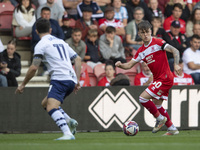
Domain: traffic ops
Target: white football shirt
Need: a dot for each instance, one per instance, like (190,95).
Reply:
(57,56)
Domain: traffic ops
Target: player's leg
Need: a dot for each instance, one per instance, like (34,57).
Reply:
(58,117)
(72,123)
(172,130)
(67,117)
(151,107)
(44,103)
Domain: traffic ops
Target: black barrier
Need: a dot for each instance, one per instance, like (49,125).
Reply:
(96,108)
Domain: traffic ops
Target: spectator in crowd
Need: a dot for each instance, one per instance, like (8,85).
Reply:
(56,11)
(161,4)
(157,30)
(155,11)
(196,4)
(67,29)
(11,63)
(86,23)
(71,7)
(176,39)
(76,43)
(3,79)
(111,46)
(195,30)
(1,46)
(132,38)
(103,3)
(145,77)
(185,10)
(120,11)
(59,2)
(92,55)
(194,18)
(191,59)
(132,4)
(176,13)
(23,18)
(182,78)
(96,10)
(110,21)
(110,74)
(55,28)
(120,80)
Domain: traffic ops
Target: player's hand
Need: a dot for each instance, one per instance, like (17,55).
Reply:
(118,64)
(77,87)
(177,69)
(20,89)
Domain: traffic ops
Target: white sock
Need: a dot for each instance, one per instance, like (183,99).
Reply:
(58,117)
(160,117)
(67,117)
(172,127)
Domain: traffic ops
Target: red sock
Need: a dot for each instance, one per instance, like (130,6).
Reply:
(164,113)
(151,107)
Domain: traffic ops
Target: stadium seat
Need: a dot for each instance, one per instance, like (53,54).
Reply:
(6,14)
(93,79)
(131,73)
(99,71)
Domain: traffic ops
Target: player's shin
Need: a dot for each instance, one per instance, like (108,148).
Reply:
(59,118)
(150,106)
(67,117)
(164,113)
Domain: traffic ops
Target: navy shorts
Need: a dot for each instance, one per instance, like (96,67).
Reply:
(60,89)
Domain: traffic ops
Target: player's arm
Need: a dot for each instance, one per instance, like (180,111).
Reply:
(30,73)
(176,56)
(127,65)
(78,67)
(78,72)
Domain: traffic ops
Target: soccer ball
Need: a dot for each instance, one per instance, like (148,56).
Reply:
(130,128)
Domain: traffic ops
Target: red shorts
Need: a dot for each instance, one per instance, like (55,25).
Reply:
(159,90)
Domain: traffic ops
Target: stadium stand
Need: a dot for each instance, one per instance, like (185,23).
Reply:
(99,71)
(93,78)
(6,14)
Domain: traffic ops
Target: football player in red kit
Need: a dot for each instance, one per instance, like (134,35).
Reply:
(153,52)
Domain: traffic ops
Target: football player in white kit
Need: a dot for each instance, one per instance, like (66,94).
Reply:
(57,55)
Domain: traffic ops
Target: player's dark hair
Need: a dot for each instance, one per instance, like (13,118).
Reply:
(178,5)
(43,25)
(110,29)
(195,36)
(144,26)
(45,9)
(75,30)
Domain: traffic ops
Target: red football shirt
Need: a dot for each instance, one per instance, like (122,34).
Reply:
(155,57)
(185,79)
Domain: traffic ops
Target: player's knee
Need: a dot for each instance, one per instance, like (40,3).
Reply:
(143,100)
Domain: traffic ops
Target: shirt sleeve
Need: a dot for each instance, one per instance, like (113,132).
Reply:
(39,49)
(137,57)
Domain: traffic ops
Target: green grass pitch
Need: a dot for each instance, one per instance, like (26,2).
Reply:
(144,140)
